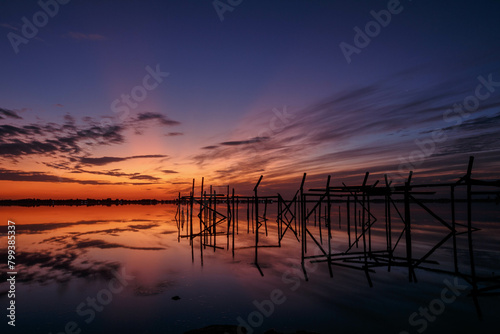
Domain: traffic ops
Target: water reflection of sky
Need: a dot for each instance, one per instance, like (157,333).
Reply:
(66,254)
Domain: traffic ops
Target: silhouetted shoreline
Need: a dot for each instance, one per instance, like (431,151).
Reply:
(30,202)
(81,202)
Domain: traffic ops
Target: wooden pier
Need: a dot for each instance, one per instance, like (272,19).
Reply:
(309,218)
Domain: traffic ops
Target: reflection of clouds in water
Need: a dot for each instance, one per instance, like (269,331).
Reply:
(156,289)
(61,264)
(44,267)
(112,231)
(87,243)
(41,228)
(142,227)
(168,232)
(100,243)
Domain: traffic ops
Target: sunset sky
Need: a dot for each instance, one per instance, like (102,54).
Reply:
(134,99)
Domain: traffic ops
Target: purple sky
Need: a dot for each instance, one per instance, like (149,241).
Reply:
(267,90)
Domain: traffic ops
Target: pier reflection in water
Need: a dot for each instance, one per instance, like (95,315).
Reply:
(341,265)
(69,254)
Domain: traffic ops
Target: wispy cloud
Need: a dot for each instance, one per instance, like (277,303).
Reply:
(35,176)
(54,139)
(5,113)
(114,172)
(9,26)
(70,146)
(364,128)
(169,171)
(173,134)
(145,177)
(244,142)
(83,36)
(101,161)
(17,175)
(164,120)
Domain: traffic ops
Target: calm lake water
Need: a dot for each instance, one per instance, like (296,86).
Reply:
(69,258)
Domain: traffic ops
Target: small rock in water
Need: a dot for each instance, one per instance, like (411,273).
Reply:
(176,297)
